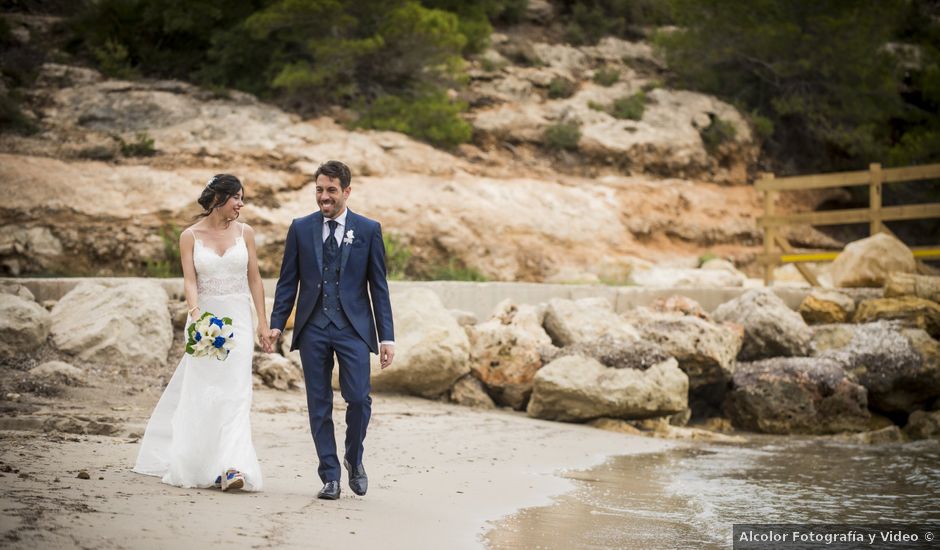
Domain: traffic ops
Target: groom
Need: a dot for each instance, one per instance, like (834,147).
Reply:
(337,258)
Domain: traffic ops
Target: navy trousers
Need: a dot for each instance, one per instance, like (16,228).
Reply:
(317,347)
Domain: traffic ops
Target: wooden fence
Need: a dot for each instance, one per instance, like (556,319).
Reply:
(777,249)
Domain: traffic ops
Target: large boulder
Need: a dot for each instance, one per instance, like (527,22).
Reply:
(277,371)
(431,349)
(24,326)
(868,262)
(909,284)
(505,352)
(771,329)
(572,321)
(18,290)
(57,373)
(910,310)
(705,351)
(788,395)
(899,367)
(612,352)
(822,306)
(576,388)
(125,325)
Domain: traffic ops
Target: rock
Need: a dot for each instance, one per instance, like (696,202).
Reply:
(613,353)
(572,321)
(923,425)
(17,289)
(771,329)
(705,351)
(469,392)
(24,326)
(675,277)
(909,284)
(790,395)
(899,367)
(883,436)
(679,304)
(826,306)
(464,318)
(58,372)
(83,474)
(577,388)
(910,310)
(868,262)
(539,11)
(505,352)
(431,349)
(276,371)
(179,314)
(294,356)
(125,325)
(64,424)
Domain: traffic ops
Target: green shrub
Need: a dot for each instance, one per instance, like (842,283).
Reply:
(652,85)
(763,126)
(608,76)
(562,136)
(141,147)
(113,60)
(12,117)
(170,266)
(593,105)
(432,118)
(715,134)
(560,88)
(454,270)
(707,256)
(629,107)
(397,257)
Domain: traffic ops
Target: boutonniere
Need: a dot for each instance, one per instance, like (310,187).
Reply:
(348,239)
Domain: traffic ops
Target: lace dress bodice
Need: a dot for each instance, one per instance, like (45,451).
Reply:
(221,275)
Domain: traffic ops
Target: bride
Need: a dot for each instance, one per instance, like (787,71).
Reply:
(200,432)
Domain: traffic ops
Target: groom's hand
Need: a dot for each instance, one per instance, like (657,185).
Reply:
(386,354)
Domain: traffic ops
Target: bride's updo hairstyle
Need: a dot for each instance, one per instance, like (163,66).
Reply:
(219,189)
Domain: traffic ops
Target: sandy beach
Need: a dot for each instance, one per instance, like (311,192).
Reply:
(440,475)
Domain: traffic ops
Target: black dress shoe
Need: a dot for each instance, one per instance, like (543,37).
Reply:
(358,480)
(330,491)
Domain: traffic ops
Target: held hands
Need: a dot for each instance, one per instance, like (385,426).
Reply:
(264,336)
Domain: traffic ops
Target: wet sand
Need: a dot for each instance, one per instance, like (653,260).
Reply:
(438,474)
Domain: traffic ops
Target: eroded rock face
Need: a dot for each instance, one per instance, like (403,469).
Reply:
(577,388)
(432,351)
(705,351)
(790,395)
(868,262)
(899,367)
(910,310)
(771,329)
(24,326)
(827,306)
(572,321)
(909,284)
(125,325)
(923,425)
(505,352)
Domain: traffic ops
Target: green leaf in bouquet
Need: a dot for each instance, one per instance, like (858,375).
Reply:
(226,320)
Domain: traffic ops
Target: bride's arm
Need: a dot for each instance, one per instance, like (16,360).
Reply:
(187,241)
(256,286)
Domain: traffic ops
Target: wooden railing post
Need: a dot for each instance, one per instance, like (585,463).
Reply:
(770,233)
(874,198)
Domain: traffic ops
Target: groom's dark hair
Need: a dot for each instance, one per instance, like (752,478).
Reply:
(335,169)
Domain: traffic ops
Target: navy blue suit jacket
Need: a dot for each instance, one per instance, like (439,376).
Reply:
(362,272)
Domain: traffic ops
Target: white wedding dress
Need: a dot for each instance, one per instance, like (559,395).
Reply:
(201,426)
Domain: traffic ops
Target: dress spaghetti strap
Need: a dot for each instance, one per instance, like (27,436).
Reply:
(242,235)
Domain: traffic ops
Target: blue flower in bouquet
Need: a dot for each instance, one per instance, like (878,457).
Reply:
(210,336)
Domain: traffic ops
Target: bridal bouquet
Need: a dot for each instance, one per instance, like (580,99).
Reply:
(210,336)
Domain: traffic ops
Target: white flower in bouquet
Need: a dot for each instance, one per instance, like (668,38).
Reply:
(210,336)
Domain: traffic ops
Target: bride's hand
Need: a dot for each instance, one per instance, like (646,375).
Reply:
(265,339)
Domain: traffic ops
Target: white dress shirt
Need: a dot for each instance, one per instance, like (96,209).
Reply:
(338,235)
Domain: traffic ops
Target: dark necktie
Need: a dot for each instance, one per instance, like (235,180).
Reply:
(329,248)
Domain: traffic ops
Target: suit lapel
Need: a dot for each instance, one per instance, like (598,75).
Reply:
(344,251)
(317,229)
